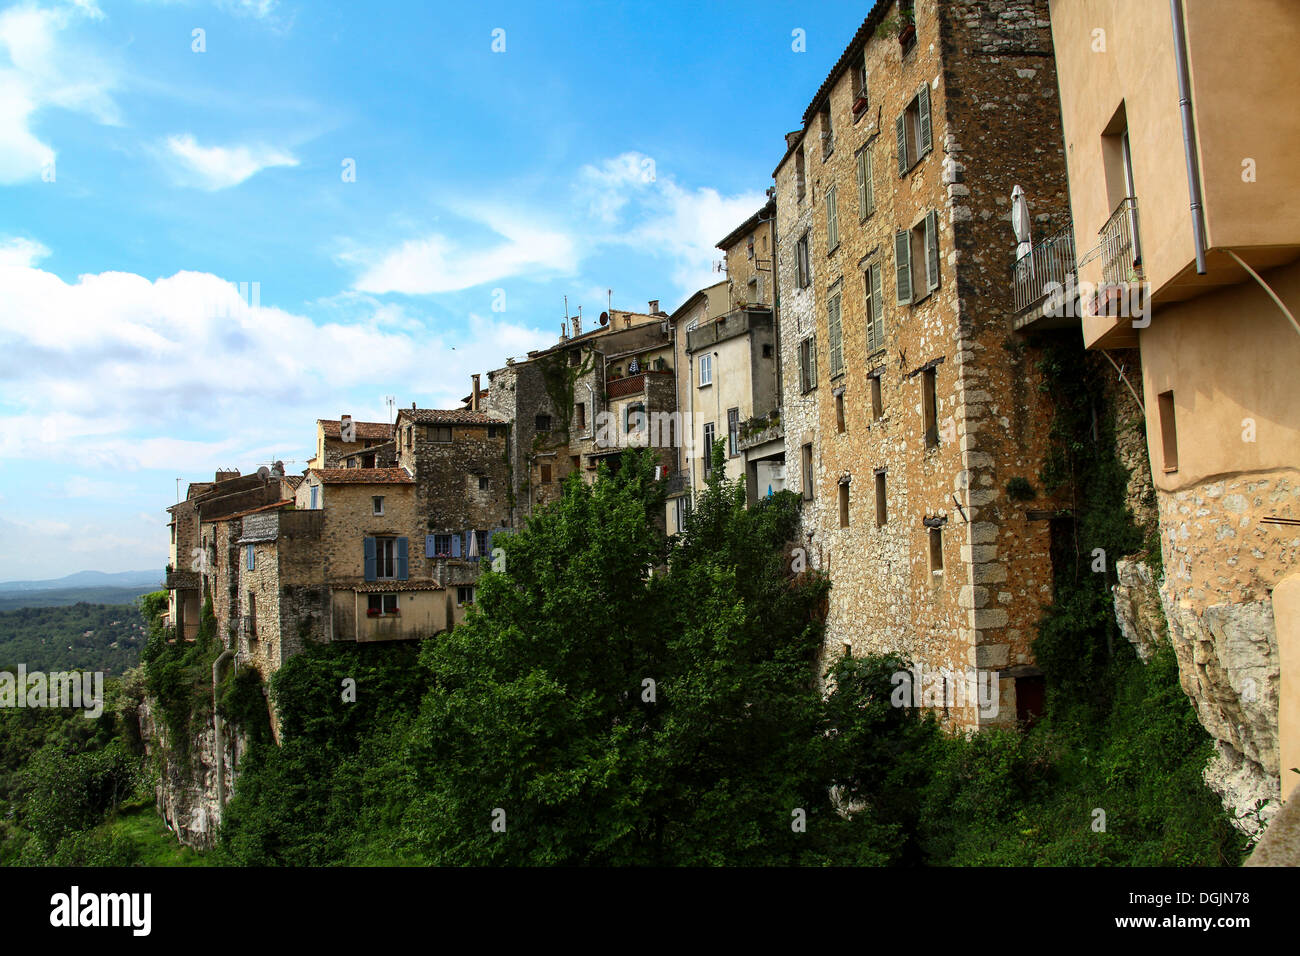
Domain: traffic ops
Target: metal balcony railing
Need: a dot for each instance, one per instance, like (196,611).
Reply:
(1121,250)
(1051,260)
(676,484)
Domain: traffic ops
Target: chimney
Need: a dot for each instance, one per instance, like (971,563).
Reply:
(473,394)
(654,306)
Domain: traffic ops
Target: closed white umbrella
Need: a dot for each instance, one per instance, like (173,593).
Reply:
(1020,222)
(473,544)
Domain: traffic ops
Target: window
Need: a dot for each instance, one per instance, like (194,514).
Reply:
(546,474)
(575,357)
(708,449)
(749,247)
(706,370)
(252,617)
(767,351)
(806,461)
(844,503)
(916,260)
(800,175)
(828,134)
(906,25)
(680,512)
(866,189)
(929,408)
(936,550)
(840,425)
(386,558)
(377,502)
(835,329)
(634,419)
(249,557)
(882,512)
(492,432)
(832,221)
(580,415)
(877,399)
(912,131)
(542,423)
(860,87)
(1168,431)
(441,545)
(464,596)
(378,605)
(808,363)
(484,483)
(442,433)
(733,432)
(315,497)
(802,271)
(484,541)
(875,310)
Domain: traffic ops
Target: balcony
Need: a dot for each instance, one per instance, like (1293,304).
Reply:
(181,580)
(633,384)
(676,484)
(1121,251)
(1048,265)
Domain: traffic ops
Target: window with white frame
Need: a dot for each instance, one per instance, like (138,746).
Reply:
(706,369)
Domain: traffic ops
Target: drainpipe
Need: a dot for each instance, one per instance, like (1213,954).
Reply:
(1267,288)
(217,665)
(1189,134)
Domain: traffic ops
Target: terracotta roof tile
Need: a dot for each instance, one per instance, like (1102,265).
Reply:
(448,416)
(364,430)
(363,476)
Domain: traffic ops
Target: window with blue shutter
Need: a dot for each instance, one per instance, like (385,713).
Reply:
(403,559)
(371,574)
(455,546)
(430,546)
(251,557)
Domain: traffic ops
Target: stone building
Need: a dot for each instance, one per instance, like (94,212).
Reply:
(584,401)
(908,406)
(334,439)
(1188,249)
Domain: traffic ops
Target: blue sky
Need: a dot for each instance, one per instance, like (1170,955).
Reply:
(607,147)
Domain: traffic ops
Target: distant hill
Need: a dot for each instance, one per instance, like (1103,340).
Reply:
(150,579)
(62,597)
(80,637)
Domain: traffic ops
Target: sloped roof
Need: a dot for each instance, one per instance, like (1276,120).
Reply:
(449,416)
(363,476)
(364,430)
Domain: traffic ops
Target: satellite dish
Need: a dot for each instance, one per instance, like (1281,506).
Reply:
(604,318)
(264,473)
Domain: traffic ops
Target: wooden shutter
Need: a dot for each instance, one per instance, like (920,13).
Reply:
(403,559)
(869,187)
(370,564)
(900,129)
(832,220)
(925,136)
(903,266)
(430,547)
(875,321)
(836,335)
(812,360)
(455,545)
(862,184)
(932,251)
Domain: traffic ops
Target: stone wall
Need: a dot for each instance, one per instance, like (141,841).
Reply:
(995,123)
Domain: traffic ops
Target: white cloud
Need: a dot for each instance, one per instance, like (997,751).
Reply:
(114,371)
(437,263)
(21,252)
(40,69)
(219,167)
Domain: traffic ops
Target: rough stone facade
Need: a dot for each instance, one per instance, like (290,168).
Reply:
(987,70)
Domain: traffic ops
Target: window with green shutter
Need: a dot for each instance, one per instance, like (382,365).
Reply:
(914,131)
(866,189)
(832,220)
(875,309)
(931,251)
(903,266)
(836,333)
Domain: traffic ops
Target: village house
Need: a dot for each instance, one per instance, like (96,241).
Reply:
(337,438)
(584,401)
(1188,252)
(906,407)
